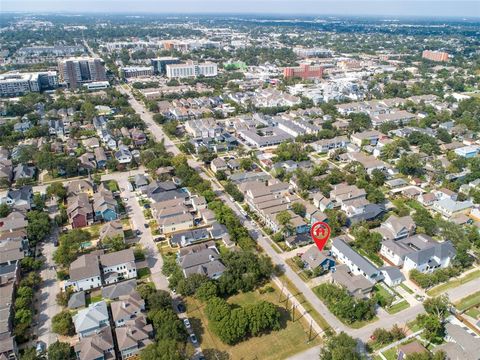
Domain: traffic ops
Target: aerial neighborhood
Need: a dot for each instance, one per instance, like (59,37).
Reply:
(160,178)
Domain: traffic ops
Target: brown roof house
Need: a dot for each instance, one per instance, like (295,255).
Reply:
(127,308)
(85,273)
(133,336)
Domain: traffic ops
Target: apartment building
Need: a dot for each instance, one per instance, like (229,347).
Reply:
(438,56)
(136,71)
(16,84)
(191,69)
(77,71)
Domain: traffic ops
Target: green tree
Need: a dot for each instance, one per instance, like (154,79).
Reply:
(284,219)
(4,210)
(262,316)
(340,347)
(207,291)
(38,226)
(62,324)
(57,189)
(164,349)
(167,325)
(299,209)
(116,243)
(437,306)
(59,351)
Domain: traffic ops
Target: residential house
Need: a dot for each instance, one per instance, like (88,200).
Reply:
(218,164)
(123,155)
(16,220)
(97,346)
(133,337)
(201,259)
(111,229)
(427,199)
(13,247)
(448,207)
(91,320)
(392,276)
(189,237)
(314,258)
(23,172)
(322,202)
(76,187)
(356,285)
(326,145)
(79,210)
(395,227)
(84,273)
(369,137)
(19,198)
(411,348)
(86,162)
(461,343)
(100,157)
(357,264)
(126,308)
(140,181)
(104,205)
(199,203)
(118,266)
(138,137)
(116,290)
(170,224)
(77,300)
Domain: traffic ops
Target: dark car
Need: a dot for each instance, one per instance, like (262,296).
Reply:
(146,206)
(181,307)
(146,225)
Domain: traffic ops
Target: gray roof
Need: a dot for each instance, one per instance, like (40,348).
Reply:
(429,254)
(366,266)
(119,289)
(355,284)
(189,236)
(96,346)
(86,266)
(77,300)
(314,257)
(91,317)
(117,258)
(393,273)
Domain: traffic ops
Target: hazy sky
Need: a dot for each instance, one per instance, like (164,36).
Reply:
(430,8)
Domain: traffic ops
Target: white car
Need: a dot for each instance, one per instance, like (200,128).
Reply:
(186,322)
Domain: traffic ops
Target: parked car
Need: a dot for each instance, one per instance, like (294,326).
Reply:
(186,322)
(138,232)
(193,338)
(40,348)
(181,307)
(146,206)
(146,225)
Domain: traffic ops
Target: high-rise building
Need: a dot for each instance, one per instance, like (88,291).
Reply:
(191,69)
(304,71)
(435,55)
(76,71)
(16,84)
(160,64)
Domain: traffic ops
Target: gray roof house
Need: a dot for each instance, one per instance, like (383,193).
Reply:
(431,258)
(395,228)
(88,321)
(392,276)
(133,336)
(461,343)
(77,300)
(356,285)
(117,290)
(313,258)
(22,171)
(85,273)
(127,307)
(189,237)
(201,259)
(357,264)
(99,345)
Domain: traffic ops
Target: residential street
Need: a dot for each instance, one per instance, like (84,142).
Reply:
(46,302)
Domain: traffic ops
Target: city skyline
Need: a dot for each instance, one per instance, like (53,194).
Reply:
(444,8)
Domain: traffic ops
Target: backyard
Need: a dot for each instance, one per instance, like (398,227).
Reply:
(292,338)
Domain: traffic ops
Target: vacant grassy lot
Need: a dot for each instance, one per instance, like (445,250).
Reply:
(469,301)
(437,290)
(291,339)
(402,305)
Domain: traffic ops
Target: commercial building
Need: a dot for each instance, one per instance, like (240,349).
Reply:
(160,64)
(136,71)
(435,55)
(56,50)
(309,52)
(15,84)
(304,71)
(76,71)
(191,69)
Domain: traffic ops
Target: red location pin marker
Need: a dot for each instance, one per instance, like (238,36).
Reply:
(320,232)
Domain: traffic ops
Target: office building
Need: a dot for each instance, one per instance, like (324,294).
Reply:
(435,55)
(191,69)
(310,52)
(16,84)
(160,64)
(304,71)
(136,71)
(76,71)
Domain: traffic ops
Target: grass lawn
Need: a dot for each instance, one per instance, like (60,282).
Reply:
(413,326)
(473,312)
(291,339)
(391,354)
(295,268)
(437,290)
(469,301)
(94,297)
(384,293)
(402,305)
(306,305)
(406,288)
(143,273)
(94,230)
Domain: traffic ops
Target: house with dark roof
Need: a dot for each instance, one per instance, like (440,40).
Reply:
(98,345)
(357,264)
(22,171)
(133,336)
(314,258)
(201,259)
(79,210)
(188,237)
(19,198)
(356,285)
(115,291)
(461,343)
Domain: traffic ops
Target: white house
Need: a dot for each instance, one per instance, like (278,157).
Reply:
(84,273)
(430,259)
(88,321)
(123,155)
(118,266)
